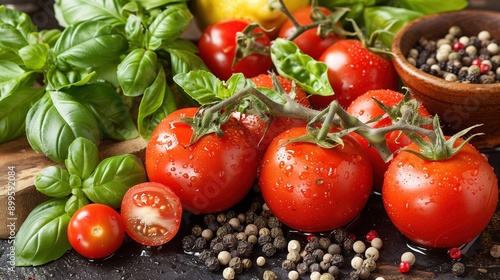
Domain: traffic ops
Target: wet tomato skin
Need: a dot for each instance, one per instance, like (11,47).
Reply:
(96,231)
(152,213)
(209,175)
(313,189)
(366,109)
(440,204)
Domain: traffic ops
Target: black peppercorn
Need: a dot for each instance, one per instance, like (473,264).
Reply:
(199,244)
(339,235)
(215,240)
(218,247)
(188,243)
(213,225)
(196,230)
(276,231)
(458,268)
(260,222)
(250,216)
(268,249)
(314,267)
(302,268)
(280,243)
(318,254)
(273,221)
(205,253)
(308,259)
(236,264)
(337,260)
(231,214)
(244,248)
(230,241)
(209,218)
(324,242)
(348,244)
(264,239)
(212,264)
(288,265)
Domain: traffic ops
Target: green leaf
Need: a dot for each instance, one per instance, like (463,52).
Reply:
(59,80)
(76,201)
(55,121)
(90,44)
(205,88)
(16,29)
(169,24)
(433,6)
(13,111)
(134,29)
(11,76)
(108,108)
(83,158)
(53,181)
(137,71)
(183,56)
(70,12)
(34,56)
(50,36)
(112,178)
(290,62)
(43,235)
(151,4)
(156,103)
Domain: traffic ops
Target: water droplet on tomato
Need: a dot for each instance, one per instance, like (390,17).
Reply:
(306,192)
(289,187)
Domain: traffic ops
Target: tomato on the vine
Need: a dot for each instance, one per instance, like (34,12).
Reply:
(366,109)
(314,189)
(259,130)
(210,175)
(217,48)
(152,213)
(444,203)
(309,41)
(96,231)
(353,70)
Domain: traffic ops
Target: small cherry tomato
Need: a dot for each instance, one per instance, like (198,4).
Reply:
(152,213)
(96,231)
(217,48)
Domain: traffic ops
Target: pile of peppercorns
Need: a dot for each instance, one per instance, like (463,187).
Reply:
(228,240)
(459,58)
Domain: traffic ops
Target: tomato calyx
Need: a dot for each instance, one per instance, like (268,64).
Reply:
(371,43)
(437,146)
(246,43)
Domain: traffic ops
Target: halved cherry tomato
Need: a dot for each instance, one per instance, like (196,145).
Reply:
(152,213)
(96,231)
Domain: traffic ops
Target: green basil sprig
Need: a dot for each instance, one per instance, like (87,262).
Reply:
(42,237)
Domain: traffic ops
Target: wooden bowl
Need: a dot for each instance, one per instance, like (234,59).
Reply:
(459,105)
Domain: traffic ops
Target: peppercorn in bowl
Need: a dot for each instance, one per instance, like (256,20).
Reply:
(450,62)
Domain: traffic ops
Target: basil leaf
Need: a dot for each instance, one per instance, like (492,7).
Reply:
(34,56)
(433,6)
(70,12)
(134,29)
(156,103)
(53,181)
(50,36)
(290,62)
(90,44)
(151,4)
(16,28)
(183,56)
(13,111)
(112,178)
(11,76)
(137,71)
(76,201)
(379,18)
(169,25)
(83,158)
(108,108)
(205,88)
(43,235)
(58,80)
(55,121)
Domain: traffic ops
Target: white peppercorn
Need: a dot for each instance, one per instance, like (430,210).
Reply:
(253,239)
(408,257)
(359,247)
(260,261)
(315,275)
(492,48)
(207,234)
(294,245)
(224,257)
(377,243)
(293,275)
(370,264)
(234,223)
(326,276)
(484,35)
(251,229)
(372,253)
(228,273)
(356,262)
(495,251)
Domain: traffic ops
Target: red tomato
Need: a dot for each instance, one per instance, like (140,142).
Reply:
(309,42)
(259,130)
(440,204)
(314,189)
(352,71)
(210,175)
(96,231)
(152,213)
(365,109)
(217,47)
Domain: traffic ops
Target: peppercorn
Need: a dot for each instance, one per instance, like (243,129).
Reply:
(315,275)
(370,264)
(234,223)
(264,239)
(302,268)
(458,268)
(372,253)
(250,216)
(293,256)
(334,249)
(251,229)
(339,235)
(264,231)
(326,276)
(337,260)
(364,272)
(212,264)
(205,253)
(196,230)
(260,261)
(408,257)
(276,231)
(230,241)
(308,258)
(221,218)
(356,262)
(224,229)
(253,239)
(318,254)
(377,243)
(324,265)
(293,275)
(218,247)
(314,267)
(334,270)
(188,242)
(244,248)
(273,222)
(256,206)
(495,251)
(268,249)
(241,236)
(260,222)
(236,264)
(228,273)
(293,245)
(288,265)
(213,226)
(200,243)
(207,233)
(269,275)
(208,219)
(359,246)
(348,243)
(247,263)
(280,243)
